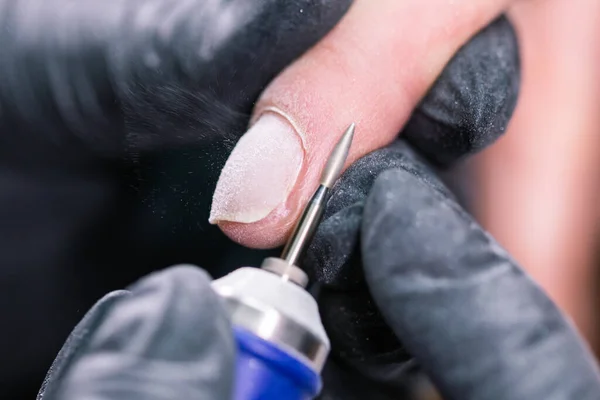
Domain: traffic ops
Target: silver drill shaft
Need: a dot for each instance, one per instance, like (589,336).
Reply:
(309,221)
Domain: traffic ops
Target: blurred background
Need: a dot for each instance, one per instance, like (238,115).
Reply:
(537,190)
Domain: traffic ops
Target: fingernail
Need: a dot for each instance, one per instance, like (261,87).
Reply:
(260,172)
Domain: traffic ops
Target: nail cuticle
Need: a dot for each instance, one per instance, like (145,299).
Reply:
(286,117)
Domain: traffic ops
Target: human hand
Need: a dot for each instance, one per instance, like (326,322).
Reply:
(410,279)
(373,69)
(89,89)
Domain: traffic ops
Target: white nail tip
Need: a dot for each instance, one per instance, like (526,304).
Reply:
(260,172)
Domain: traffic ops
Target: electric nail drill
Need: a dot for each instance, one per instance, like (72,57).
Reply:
(282,345)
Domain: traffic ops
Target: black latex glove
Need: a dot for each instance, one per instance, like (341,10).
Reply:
(479,326)
(475,322)
(408,278)
(168,337)
(115,119)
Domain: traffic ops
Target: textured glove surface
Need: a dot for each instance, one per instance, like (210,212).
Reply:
(167,337)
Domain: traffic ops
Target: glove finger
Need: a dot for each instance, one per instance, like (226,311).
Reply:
(169,339)
(477,324)
(472,101)
(360,338)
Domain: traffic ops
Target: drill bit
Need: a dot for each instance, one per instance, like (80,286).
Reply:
(309,221)
(337,158)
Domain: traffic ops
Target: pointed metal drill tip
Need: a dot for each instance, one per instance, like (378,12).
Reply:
(337,158)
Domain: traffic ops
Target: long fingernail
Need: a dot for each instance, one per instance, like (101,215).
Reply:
(260,172)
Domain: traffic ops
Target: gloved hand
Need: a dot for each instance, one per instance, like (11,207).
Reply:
(167,337)
(439,285)
(467,109)
(116,118)
(407,277)
(445,292)
(477,324)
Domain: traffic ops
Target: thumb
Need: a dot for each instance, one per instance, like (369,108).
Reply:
(371,69)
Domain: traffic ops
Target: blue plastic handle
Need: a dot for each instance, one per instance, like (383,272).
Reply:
(265,371)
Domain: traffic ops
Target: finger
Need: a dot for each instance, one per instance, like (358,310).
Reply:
(329,259)
(170,338)
(479,326)
(372,69)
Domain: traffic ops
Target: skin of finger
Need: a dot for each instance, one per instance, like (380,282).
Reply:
(480,327)
(538,189)
(169,339)
(371,69)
